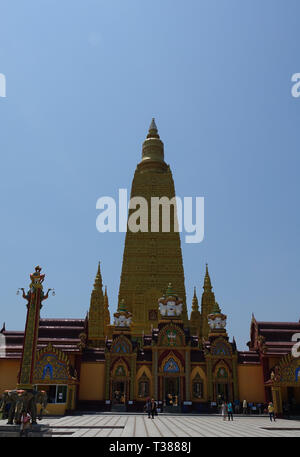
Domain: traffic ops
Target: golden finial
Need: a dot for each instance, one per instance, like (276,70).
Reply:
(98,279)
(195,306)
(207,282)
(153,147)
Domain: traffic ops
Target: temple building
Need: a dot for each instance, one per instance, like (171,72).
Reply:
(151,347)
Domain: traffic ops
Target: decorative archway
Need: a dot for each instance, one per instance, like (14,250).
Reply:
(198,385)
(222,382)
(119,382)
(143,384)
(171,375)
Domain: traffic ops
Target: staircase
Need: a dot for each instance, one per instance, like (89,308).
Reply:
(118,408)
(13,431)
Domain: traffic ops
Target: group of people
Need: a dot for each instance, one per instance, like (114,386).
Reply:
(227,410)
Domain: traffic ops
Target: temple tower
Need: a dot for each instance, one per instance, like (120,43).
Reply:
(207,303)
(195,320)
(151,258)
(97,312)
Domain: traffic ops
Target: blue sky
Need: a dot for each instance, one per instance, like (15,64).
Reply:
(85,78)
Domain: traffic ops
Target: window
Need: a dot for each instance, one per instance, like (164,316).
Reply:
(61,394)
(55,393)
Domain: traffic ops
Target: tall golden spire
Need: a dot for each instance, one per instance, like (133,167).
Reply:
(207,282)
(207,302)
(195,306)
(195,321)
(151,259)
(96,311)
(98,280)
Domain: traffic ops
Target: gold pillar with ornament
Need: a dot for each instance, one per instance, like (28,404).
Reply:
(35,296)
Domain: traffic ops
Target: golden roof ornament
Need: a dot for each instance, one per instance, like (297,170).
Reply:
(153,147)
(170,305)
(122,318)
(216,319)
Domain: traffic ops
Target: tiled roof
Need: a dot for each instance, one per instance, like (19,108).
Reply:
(62,333)
(248,357)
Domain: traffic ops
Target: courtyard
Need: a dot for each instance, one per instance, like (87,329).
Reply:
(138,425)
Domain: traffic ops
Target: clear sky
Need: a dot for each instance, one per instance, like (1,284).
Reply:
(84,79)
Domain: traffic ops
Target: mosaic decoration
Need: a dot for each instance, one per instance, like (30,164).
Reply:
(171,366)
(222,373)
(120,371)
(51,365)
(121,346)
(171,335)
(287,371)
(220,349)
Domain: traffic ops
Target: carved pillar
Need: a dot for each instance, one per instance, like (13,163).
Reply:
(132,375)
(107,373)
(155,372)
(187,375)
(235,377)
(209,379)
(277,399)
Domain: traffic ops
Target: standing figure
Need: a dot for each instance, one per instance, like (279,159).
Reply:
(244,407)
(271,411)
(153,408)
(229,411)
(223,410)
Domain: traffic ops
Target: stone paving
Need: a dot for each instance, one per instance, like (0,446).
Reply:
(131,425)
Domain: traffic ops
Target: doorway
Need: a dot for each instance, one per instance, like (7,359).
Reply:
(118,393)
(172,394)
(222,392)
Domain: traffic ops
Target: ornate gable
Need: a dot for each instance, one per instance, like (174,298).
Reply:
(171,335)
(121,345)
(52,366)
(221,348)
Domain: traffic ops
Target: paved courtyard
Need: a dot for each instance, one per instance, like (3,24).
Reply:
(110,425)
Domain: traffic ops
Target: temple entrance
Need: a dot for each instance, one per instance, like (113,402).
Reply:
(172,394)
(119,396)
(222,392)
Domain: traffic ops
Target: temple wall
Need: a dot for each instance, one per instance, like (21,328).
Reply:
(250,382)
(8,374)
(92,381)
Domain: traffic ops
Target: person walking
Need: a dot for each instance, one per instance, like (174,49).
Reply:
(25,424)
(271,411)
(223,410)
(229,411)
(153,408)
(245,407)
